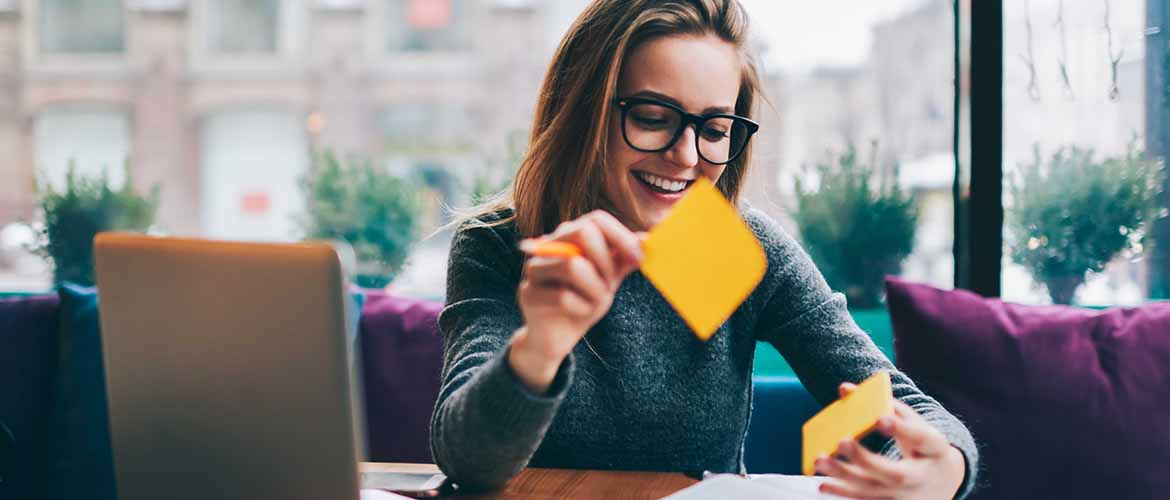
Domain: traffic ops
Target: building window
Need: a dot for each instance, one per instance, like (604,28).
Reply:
(428,25)
(243,26)
(247,37)
(81,26)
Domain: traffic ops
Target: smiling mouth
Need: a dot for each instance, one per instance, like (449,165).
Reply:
(662,184)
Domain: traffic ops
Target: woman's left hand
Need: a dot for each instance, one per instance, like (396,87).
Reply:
(930,467)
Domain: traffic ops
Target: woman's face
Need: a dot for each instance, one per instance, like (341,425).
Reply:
(699,74)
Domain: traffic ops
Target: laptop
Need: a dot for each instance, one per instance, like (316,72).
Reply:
(227,369)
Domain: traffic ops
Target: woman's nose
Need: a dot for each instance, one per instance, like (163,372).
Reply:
(684,151)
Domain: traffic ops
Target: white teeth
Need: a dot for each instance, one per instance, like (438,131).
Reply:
(664,184)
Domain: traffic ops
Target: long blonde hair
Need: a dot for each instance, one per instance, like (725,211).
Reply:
(562,174)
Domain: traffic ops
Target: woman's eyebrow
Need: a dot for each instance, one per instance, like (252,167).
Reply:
(663,97)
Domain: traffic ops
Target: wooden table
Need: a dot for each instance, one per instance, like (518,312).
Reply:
(549,484)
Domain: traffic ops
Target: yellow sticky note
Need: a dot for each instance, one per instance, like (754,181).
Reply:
(703,258)
(850,417)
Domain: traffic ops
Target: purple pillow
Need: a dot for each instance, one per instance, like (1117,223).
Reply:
(28,364)
(402,355)
(1064,402)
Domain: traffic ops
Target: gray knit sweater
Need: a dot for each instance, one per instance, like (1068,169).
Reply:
(643,393)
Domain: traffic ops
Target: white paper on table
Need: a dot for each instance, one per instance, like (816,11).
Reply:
(758,486)
(799,486)
(371,494)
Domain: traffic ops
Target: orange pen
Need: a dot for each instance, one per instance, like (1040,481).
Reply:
(549,248)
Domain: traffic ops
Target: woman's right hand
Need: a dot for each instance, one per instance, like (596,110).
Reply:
(562,298)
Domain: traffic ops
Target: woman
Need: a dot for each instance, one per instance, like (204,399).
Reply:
(579,362)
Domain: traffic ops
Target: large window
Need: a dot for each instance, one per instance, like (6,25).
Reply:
(81,26)
(857,157)
(1080,183)
(862,91)
(862,95)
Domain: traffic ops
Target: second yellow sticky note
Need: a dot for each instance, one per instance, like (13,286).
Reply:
(850,417)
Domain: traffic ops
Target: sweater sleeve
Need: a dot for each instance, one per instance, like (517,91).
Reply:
(486,425)
(811,327)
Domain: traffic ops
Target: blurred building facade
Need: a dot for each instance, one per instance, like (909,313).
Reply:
(219,101)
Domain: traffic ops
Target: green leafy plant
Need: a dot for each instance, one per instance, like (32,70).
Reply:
(375,212)
(856,232)
(86,207)
(1071,214)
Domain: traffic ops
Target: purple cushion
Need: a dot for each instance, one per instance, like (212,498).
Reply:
(1064,402)
(402,355)
(28,363)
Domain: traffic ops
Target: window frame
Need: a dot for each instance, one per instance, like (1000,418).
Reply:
(979,216)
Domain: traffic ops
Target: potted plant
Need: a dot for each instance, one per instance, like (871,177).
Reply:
(87,206)
(1071,214)
(857,225)
(375,212)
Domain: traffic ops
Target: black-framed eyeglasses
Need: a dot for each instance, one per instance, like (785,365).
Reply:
(651,126)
